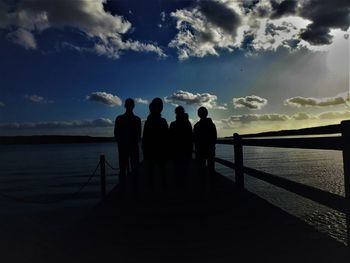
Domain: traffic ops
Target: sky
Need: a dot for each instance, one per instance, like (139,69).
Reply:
(66,67)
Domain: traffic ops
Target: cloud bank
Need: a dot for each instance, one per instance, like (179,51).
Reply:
(102,122)
(341,99)
(252,102)
(210,26)
(275,117)
(199,99)
(104,31)
(104,98)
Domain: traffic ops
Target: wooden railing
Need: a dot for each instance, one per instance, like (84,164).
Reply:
(339,141)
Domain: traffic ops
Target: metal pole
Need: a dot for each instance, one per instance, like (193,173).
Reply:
(103,175)
(346,162)
(238,151)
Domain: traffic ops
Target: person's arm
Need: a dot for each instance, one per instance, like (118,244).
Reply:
(138,129)
(116,129)
(215,135)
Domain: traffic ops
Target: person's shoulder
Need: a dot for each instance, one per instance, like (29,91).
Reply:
(137,118)
(119,117)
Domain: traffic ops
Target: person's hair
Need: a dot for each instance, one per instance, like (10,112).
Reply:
(129,104)
(179,110)
(156,106)
(202,112)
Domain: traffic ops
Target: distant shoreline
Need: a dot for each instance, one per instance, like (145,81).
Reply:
(53,139)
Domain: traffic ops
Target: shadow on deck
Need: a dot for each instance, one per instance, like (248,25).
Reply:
(196,224)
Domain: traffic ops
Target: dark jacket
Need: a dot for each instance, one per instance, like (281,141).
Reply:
(181,137)
(155,139)
(205,135)
(127,129)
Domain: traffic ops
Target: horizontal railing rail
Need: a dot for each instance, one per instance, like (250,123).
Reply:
(323,142)
(329,129)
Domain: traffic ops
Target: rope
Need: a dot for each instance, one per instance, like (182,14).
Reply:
(27,201)
(110,166)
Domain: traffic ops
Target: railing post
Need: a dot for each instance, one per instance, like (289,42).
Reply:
(103,175)
(238,150)
(345,126)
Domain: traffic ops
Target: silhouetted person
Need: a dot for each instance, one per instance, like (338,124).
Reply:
(155,140)
(181,144)
(127,132)
(205,135)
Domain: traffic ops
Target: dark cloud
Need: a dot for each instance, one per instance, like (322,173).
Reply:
(25,19)
(279,9)
(220,15)
(272,29)
(317,35)
(325,15)
(291,43)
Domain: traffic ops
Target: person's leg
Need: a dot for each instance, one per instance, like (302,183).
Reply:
(123,165)
(162,168)
(211,168)
(201,169)
(134,162)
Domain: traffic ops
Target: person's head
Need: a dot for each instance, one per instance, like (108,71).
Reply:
(202,112)
(156,106)
(179,110)
(129,104)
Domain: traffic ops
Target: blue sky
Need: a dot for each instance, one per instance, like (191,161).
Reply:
(67,66)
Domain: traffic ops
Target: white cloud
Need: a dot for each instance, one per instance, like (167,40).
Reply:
(141,101)
(37,99)
(252,102)
(162,16)
(24,38)
(276,117)
(254,26)
(341,99)
(199,99)
(204,29)
(25,19)
(2,104)
(102,122)
(104,98)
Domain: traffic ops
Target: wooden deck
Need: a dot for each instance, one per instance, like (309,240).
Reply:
(195,224)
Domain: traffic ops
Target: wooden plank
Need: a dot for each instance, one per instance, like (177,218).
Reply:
(325,198)
(225,163)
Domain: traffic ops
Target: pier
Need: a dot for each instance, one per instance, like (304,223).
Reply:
(225,223)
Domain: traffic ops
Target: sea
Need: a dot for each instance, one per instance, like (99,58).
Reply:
(44,179)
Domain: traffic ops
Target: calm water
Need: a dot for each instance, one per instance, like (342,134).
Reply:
(44,173)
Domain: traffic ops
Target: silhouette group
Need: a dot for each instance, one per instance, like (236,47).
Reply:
(161,143)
